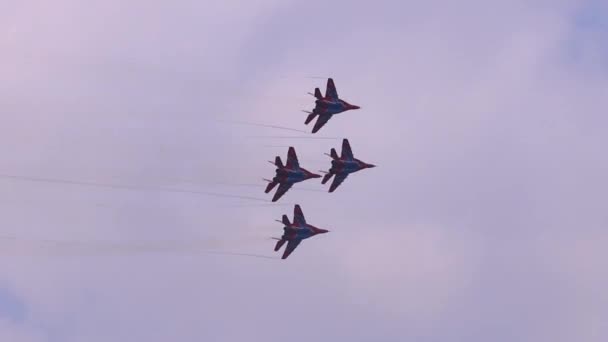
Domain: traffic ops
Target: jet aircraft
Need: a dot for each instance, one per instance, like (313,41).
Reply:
(295,232)
(326,106)
(287,175)
(343,165)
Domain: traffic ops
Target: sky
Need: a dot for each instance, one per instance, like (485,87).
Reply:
(484,220)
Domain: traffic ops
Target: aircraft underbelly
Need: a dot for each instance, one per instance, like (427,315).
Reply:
(344,167)
(335,110)
(295,178)
(304,234)
(331,108)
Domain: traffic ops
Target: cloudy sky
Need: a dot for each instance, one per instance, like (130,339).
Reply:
(485,219)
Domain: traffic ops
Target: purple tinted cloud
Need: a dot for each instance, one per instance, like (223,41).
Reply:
(483,221)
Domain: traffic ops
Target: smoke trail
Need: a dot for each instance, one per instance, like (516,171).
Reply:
(263,186)
(249,185)
(291,137)
(127,187)
(258,205)
(291,77)
(98,248)
(263,125)
(245,254)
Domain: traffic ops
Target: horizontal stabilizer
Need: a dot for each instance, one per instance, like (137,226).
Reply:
(309,118)
(326,178)
(270,186)
(279,244)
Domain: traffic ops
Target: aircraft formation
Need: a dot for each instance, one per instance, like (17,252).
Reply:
(287,175)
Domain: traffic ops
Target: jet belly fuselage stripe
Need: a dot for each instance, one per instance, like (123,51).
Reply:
(347,166)
(330,107)
(298,233)
(290,176)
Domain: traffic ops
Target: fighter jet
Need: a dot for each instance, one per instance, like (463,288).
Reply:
(295,232)
(342,166)
(326,106)
(287,175)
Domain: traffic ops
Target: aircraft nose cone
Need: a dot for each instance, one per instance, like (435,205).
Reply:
(355,107)
(371,165)
(314,175)
(322,231)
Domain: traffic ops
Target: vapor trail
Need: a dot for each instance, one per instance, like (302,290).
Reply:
(126,187)
(97,248)
(263,125)
(258,205)
(263,186)
(247,185)
(291,137)
(245,254)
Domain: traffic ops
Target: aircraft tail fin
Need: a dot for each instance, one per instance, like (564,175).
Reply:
(334,154)
(285,220)
(318,93)
(278,162)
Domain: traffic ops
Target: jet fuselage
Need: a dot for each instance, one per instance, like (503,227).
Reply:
(325,106)
(347,166)
(291,176)
(301,232)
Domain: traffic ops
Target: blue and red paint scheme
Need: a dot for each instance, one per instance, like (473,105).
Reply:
(295,232)
(343,165)
(287,175)
(327,106)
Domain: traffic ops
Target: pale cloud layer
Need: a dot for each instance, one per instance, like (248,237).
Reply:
(485,219)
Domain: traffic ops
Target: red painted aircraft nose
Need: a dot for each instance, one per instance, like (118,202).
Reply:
(322,231)
(370,165)
(354,107)
(314,175)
